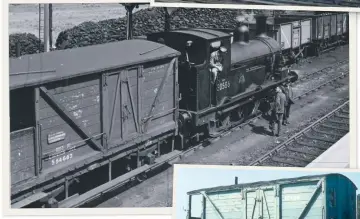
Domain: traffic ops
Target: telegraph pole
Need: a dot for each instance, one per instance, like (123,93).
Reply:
(46,28)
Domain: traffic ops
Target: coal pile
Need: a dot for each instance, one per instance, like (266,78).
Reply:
(144,22)
(29,44)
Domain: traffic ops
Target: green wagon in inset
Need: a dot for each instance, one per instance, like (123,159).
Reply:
(330,196)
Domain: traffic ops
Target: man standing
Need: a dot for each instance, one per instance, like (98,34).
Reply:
(289,101)
(216,60)
(278,111)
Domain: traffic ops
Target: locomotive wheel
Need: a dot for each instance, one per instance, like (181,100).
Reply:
(247,111)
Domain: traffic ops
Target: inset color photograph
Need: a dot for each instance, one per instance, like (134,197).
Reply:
(231,193)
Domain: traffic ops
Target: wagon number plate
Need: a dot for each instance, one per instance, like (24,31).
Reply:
(223,85)
(61,159)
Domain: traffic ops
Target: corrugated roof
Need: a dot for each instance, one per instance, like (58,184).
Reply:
(207,34)
(64,64)
(263,183)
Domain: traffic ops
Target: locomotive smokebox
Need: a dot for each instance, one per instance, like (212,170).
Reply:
(241,34)
(261,25)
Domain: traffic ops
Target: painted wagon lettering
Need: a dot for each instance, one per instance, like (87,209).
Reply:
(291,198)
(55,137)
(61,159)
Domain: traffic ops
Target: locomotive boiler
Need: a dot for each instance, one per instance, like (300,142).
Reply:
(251,70)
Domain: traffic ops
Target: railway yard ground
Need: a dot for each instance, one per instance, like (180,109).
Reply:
(252,141)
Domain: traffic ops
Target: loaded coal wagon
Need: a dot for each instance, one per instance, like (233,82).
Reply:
(72,111)
(322,196)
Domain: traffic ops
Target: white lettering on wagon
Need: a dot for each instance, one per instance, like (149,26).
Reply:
(61,159)
(61,155)
(155,69)
(291,198)
(55,137)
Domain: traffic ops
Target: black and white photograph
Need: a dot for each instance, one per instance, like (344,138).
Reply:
(265,193)
(106,98)
(353,5)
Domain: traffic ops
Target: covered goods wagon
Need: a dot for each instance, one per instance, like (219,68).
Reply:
(72,111)
(319,197)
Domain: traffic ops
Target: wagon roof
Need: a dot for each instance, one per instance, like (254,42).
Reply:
(207,34)
(30,70)
(264,183)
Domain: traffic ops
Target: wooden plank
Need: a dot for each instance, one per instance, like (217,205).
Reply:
(22,153)
(22,175)
(21,142)
(87,116)
(22,164)
(72,106)
(76,83)
(70,119)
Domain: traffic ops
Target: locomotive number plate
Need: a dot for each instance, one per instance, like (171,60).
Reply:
(224,84)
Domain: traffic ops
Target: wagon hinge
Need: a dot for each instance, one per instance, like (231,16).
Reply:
(63,112)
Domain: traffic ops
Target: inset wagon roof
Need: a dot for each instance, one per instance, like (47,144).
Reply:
(30,70)
(265,183)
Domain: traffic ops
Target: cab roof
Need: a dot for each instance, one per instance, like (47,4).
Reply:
(35,69)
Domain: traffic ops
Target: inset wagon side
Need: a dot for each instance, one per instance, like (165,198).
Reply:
(321,196)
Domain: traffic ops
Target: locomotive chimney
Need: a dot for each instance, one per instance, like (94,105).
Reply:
(241,34)
(236,180)
(261,25)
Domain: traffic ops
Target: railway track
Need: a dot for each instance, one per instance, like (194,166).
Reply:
(302,148)
(138,175)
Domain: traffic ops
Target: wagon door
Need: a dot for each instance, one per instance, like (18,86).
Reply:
(285,36)
(302,200)
(123,104)
(261,203)
(333,27)
(141,101)
(327,22)
(344,23)
(305,32)
(296,35)
(320,28)
(339,24)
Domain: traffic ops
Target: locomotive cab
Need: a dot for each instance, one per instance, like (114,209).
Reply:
(197,88)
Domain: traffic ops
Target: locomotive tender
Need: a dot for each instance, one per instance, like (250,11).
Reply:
(121,106)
